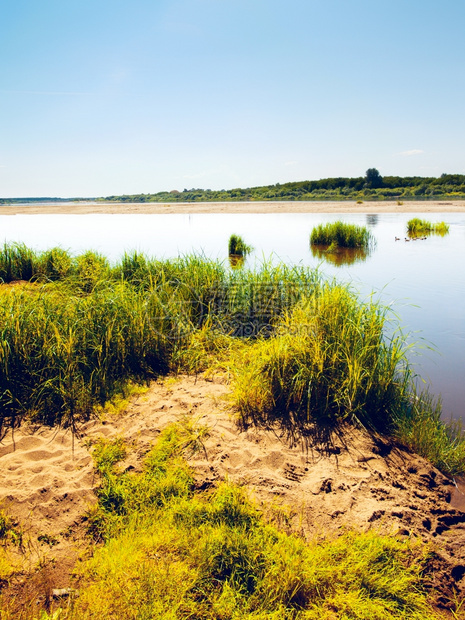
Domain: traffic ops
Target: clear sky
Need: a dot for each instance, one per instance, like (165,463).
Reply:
(101,97)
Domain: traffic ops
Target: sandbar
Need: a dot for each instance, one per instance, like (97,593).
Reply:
(87,207)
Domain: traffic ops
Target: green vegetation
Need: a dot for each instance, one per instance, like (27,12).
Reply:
(174,553)
(416,227)
(304,352)
(372,186)
(327,363)
(341,235)
(70,344)
(238,247)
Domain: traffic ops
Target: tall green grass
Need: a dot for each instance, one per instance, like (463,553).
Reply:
(312,353)
(327,362)
(17,262)
(62,351)
(68,344)
(341,235)
(330,361)
(172,552)
(416,227)
(238,247)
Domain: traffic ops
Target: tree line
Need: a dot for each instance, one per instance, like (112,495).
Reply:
(372,186)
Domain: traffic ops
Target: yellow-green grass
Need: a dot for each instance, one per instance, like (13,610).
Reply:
(341,235)
(417,226)
(174,553)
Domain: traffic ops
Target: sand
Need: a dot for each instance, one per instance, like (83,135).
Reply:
(48,485)
(430,206)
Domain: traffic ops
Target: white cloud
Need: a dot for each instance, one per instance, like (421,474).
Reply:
(412,152)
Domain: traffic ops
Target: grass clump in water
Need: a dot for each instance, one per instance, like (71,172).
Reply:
(416,227)
(341,235)
(238,247)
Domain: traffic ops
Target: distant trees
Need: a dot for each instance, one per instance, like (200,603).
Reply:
(373,178)
(372,186)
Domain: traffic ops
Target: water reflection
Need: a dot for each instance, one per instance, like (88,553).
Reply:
(236,261)
(372,220)
(339,256)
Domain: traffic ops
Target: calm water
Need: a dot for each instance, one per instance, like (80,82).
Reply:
(424,281)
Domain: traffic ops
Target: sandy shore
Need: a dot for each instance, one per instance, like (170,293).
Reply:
(440,206)
(47,484)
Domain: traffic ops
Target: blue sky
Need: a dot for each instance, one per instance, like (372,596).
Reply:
(101,97)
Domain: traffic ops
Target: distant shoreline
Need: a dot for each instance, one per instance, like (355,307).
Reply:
(83,208)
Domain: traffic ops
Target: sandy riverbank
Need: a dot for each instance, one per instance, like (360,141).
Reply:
(47,484)
(440,206)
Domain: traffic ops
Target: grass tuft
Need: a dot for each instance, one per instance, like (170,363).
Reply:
(416,227)
(238,247)
(341,235)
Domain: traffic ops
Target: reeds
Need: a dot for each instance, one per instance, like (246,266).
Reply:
(238,247)
(341,235)
(330,361)
(327,362)
(304,353)
(416,227)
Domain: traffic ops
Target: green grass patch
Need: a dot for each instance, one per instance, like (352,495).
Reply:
(175,553)
(416,227)
(341,235)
